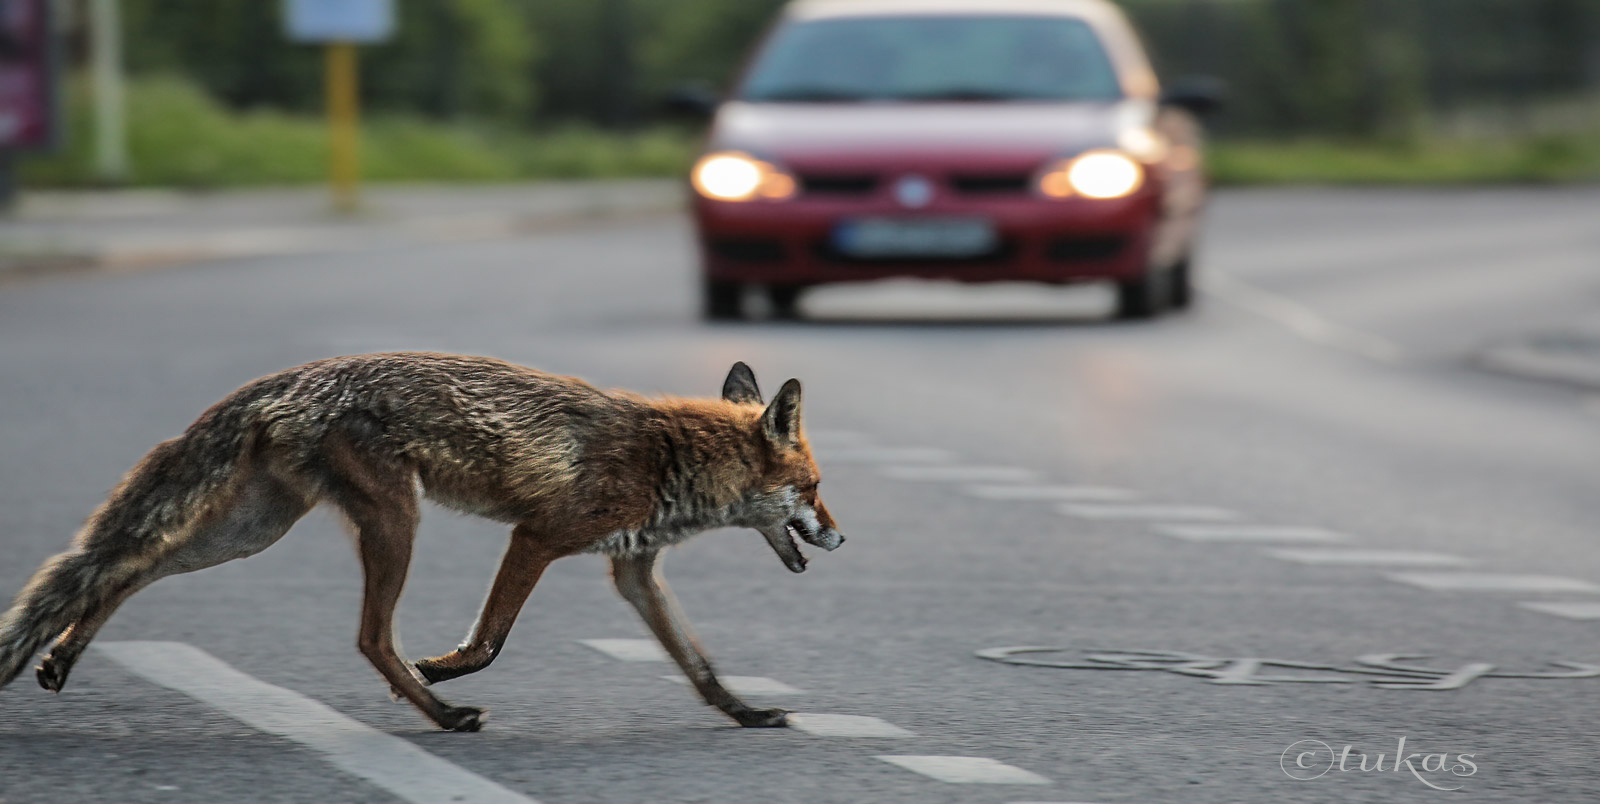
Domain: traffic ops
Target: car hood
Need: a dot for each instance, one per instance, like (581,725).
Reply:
(1033,130)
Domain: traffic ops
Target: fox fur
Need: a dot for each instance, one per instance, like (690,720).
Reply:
(574,469)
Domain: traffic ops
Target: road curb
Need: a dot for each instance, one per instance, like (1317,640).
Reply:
(53,257)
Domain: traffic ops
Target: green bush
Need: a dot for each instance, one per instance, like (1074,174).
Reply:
(178,136)
(1427,161)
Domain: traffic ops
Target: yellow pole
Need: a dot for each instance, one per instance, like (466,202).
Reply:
(344,113)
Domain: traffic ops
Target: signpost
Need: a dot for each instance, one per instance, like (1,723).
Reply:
(27,85)
(340,25)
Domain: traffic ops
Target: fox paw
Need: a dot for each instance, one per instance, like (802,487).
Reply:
(761,718)
(52,675)
(463,718)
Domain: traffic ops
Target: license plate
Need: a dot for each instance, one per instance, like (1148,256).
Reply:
(891,238)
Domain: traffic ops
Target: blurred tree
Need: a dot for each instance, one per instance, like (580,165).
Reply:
(448,57)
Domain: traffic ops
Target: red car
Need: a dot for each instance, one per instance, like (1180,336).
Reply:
(967,140)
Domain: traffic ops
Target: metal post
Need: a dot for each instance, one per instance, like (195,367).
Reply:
(344,125)
(105,55)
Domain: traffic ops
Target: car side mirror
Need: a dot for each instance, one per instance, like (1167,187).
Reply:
(1201,95)
(696,100)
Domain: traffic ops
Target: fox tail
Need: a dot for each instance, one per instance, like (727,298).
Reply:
(171,488)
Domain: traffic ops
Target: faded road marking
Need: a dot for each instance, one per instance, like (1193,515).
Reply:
(1567,609)
(1337,556)
(966,770)
(820,725)
(1052,493)
(749,685)
(389,762)
(1168,512)
(1250,533)
(1492,582)
(1302,320)
(961,474)
(629,650)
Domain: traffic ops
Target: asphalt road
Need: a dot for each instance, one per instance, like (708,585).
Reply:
(1324,389)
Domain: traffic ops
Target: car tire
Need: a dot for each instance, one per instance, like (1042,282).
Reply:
(1142,297)
(785,300)
(722,300)
(1181,287)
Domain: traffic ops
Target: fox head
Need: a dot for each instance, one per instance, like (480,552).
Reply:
(783,502)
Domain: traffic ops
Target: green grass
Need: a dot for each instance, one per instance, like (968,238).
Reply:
(1542,160)
(180,137)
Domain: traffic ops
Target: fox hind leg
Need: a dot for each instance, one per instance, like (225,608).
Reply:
(636,579)
(525,560)
(380,500)
(255,518)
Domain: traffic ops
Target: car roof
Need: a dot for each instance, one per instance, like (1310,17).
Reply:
(817,9)
(1132,65)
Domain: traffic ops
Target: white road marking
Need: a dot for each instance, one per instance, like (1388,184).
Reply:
(1168,512)
(1570,610)
(820,725)
(966,770)
(1301,320)
(749,685)
(883,455)
(1250,533)
(1492,582)
(1052,493)
(961,474)
(630,650)
(1338,556)
(395,765)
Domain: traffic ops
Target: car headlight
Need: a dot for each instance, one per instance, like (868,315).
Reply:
(735,176)
(1096,174)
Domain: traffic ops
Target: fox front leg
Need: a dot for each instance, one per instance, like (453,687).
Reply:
(636,579)
(525,560)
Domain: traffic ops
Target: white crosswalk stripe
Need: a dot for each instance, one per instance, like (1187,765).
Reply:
(748,685)
(1492,582)
(1572,610)
(396,765)
(1339,556)
(1249,533)
(966,770)
(630,650)
(822,725)
(1202,513)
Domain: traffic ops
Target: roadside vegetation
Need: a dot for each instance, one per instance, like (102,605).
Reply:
(181,137)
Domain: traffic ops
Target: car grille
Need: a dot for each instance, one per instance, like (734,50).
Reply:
(748,250)
(845,185)
(1085,249)
(997,184)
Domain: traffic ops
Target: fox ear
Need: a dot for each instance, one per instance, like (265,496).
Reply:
(740,387)
(781,422)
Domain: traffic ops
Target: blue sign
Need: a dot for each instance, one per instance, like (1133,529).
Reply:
(361,21)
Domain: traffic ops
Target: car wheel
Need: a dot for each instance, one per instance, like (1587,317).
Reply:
(785,301)
(722,300)
(1142,297)
(1181,288)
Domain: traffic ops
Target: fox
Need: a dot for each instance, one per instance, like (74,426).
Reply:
(571,468)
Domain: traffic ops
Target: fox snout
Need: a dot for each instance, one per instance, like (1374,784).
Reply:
(816,526)
(816,533)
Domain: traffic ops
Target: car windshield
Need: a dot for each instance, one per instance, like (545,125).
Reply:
(932,59)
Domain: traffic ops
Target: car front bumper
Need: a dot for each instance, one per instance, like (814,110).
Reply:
(1042,240)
